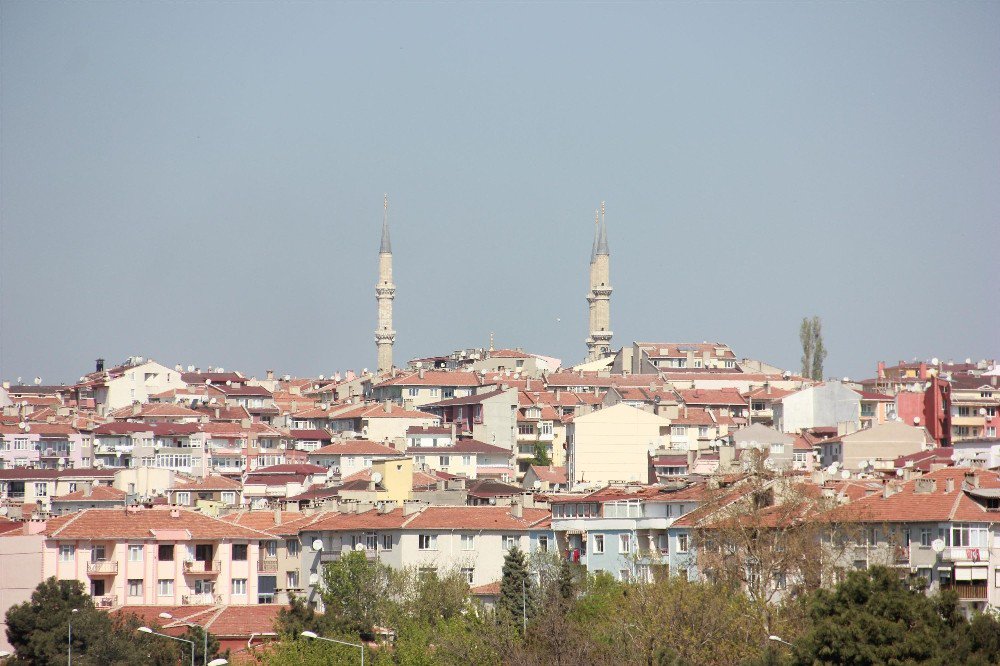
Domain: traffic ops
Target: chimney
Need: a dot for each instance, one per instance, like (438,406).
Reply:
(881,370)
(559,392)
(420,373)
(949,485)
(99,365)
(453,440)
(517,508)
(175,513)
(88,489)
(923,370)
(387,407)
(924,486)
(136,408)
(269,375)
(277,517)
(218,412)
(971,480)
(527,384)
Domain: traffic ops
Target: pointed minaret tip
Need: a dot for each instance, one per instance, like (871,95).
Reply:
(386,247)
(602,241)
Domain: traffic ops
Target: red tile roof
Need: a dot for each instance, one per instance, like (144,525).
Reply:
(711,397)
(143,524)
(550,474)
(354,447)
(208,483)
(432,378)
(97,494)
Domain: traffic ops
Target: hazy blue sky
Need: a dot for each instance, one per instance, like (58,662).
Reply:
(202,182)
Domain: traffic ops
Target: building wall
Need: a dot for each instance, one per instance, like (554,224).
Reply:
(134,385)
(20,573)
(613,444)
(827,405)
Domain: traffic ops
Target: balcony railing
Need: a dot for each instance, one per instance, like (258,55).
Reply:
(203,599)
(267,565)
(102,568)
(960,554)
(107,601)
(968,590)
(202,567)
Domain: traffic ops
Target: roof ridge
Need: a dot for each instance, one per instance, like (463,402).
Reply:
(69,522)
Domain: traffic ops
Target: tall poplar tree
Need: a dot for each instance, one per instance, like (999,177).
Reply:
(813,350)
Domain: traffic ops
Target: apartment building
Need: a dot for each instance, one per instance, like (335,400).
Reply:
(161,557)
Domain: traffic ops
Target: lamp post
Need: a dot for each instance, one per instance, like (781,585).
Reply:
(204,635)
(312,634)
(147,630)
(69,637)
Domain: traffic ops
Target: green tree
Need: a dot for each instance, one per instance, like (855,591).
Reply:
(517,589)
(874,618)
(355,593)
(38,630)
(813,350)
(541,457)
(197,635)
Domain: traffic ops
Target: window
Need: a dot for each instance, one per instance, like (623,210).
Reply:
(165,552)
(703,431)
(371,542)
(72,487)
(427,542)
(134,553)
(466,460)
(598,543)
(41,489)
(98,554)
(229,498)
(625,575)
(135,587)
(269,548)
(778,449)
(412,392)
(240,587)
(682,543)
(184,499)
(678,431)
(508,541)
(546,427)
(525,429)
(468,573)
(624,543)
(445,461)
(292,580)
(203,586)
(925,536)
(468,542)
(780,580)
(239,552)
(543,543)
(965,535)
(292,546)
(67,553)
(165,587)
(386,542)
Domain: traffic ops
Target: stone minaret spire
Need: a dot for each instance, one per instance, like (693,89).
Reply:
(599,298)
(385,292)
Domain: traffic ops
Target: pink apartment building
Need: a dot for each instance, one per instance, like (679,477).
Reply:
(160,557)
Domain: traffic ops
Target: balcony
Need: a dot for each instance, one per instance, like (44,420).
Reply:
(267,565)
(103,568)
(202,567)
(901,555)
(107,601)
(958,554)
(971,591)
(203,599)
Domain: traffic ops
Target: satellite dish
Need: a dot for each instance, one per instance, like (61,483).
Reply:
(934,361)
(537,484)
(213,401)
(916,420)
(863,464)
(158,446)
(229,382)
(359,547)
(27,428)
(845,475)
(982,411)
(899,472)
(937,545)
(493,500)
(208,382)
(420,364)
(321,377)
(313,578)
(376,477)
(3,511)
(22,425)
(62,461)
(317,545)
(38,380)
(834,467)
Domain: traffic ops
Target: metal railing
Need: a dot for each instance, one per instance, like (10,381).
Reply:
(202,566)
(109,567)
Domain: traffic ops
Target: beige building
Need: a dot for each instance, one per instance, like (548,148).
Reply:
(874,448)
(133,381)
(613,444)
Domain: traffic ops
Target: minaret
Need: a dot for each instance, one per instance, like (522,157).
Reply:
(385,292)
(599,298)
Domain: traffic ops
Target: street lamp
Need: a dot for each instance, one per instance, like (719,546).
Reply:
(312,634)
(147,630)
(69,637)
(778,639)
(204,635)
